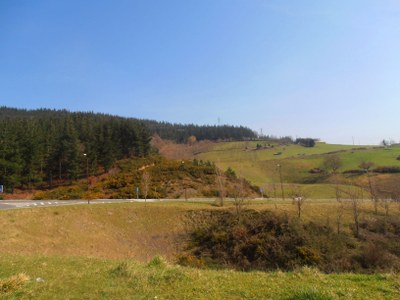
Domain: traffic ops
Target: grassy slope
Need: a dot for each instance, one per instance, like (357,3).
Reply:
(46,243)
(167,179)
(84,278)
(129,230)
(107,231)
(260,166)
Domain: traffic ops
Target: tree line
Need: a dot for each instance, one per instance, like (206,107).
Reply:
(40,147)
(180,133)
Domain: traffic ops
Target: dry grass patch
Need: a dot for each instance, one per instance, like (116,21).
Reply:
(13,283)
(107,231)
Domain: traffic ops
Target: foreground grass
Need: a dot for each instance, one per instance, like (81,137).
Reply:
(85,278)
(92,252)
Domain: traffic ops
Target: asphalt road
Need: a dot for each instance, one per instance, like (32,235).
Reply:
(16,204)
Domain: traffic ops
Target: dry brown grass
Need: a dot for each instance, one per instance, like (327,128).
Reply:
(129,230)
(13,283)
(18,195)
(106,231)
(172,150)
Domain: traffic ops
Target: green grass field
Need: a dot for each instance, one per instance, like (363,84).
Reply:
(90,278)
(260,166)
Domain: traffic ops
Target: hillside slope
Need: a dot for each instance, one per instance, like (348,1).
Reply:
(258,162)
(166,179)
(92,252)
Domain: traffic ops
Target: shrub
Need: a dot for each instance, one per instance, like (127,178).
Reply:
(305,142)
(61,193)
(230,173)
(388,169)
(354,172)
(188,260)
(260,240)
(373,256)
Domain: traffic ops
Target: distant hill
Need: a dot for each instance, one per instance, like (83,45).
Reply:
(43,147)
(177,132)
(258,162)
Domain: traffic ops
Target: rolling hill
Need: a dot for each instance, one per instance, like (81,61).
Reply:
(258,162)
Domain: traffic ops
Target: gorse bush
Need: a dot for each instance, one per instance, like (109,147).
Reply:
(267,241)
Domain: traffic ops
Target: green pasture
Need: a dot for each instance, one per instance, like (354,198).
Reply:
(264,167)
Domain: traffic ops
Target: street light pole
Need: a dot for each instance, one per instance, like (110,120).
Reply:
(280,178)
(87,174)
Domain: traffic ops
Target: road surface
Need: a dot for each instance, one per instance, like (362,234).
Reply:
(15,204)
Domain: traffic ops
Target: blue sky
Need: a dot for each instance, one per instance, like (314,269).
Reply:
(322,68)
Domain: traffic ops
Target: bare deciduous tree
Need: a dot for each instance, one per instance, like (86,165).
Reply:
(299,197)
(392,190)
(366,166)
(386,201)
(239,196)
(339,217)
(389,192)
(354,193)
(332,163)
(221,185)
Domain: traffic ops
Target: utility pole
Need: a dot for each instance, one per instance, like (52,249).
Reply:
(87,175)
(280,178)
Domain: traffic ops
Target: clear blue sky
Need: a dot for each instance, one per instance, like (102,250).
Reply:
(322,68)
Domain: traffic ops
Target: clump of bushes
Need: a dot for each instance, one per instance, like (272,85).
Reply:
(354,172)
(265,240)
(61,193)
(389,169)
(305,142)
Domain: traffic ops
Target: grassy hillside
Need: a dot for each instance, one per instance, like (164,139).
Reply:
(105,252)
(260,166)
(166,179)
(116,231)
(134,230)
